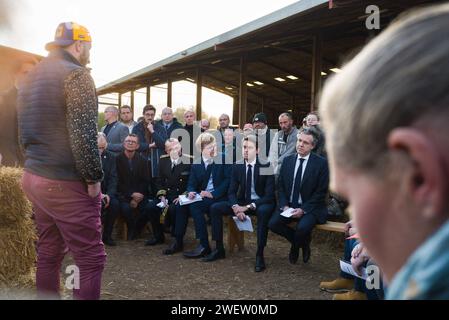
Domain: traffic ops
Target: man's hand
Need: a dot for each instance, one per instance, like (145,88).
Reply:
(133,204)
(152,145)
(358,257)
(164,200)
(94,189)
(206,194)
(348,226)
(176,201)
(107,200)
(137,197)
(191,195)
(150,127)
(297,213)
(241,216)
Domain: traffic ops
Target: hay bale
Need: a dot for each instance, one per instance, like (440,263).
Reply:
(18,253)
(17,232)
(14,206)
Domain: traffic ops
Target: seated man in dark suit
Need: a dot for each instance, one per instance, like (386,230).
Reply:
(251,192)
(133,182)
(211,181)
(110,207)
(303,185)
(174,171)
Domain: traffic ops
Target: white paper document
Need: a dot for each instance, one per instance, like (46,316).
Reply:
(347,268)
(161,205)
(245,225)
(287,213)
(184,200)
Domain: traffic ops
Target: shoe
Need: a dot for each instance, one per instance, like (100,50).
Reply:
(154,241)
(306,253)
(294,254)
(198,252)
(215,255)
(339,285)
(109,242)
(173,248)
(351,295)
(260,264)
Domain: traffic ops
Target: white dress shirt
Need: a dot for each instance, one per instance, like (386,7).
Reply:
(304,165)
(254,195)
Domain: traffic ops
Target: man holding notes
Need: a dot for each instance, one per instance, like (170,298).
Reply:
(303,186)
(251,192)
(210,180)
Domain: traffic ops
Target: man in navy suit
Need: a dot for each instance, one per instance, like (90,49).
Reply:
(251,192)
(303,185)
(210,180)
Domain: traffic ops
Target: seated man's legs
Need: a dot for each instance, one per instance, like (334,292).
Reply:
(127,212)
(198,211)
(279,225)
(263,213)
(345,281)
(153,214)
(110,215)
(182,216)
(303,233)
(217,211)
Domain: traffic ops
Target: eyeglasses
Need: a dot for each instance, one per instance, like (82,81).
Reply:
(130,142)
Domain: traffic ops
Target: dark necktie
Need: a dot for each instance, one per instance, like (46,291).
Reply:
(249,178)
(173,165)
(297,184)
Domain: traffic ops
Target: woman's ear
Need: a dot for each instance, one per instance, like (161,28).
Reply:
(428,181)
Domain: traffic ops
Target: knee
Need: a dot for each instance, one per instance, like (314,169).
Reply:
(273,224)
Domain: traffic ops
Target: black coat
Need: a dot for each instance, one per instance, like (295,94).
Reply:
(264,185)
(314,185)
(173,183)
(130,181)
(109,183)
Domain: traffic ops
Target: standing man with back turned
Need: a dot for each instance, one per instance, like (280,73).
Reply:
(57,112)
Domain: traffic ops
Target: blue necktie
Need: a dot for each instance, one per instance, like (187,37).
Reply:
(297,184)
(249,176)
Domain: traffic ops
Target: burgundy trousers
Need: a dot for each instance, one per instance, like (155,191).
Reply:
(67,219)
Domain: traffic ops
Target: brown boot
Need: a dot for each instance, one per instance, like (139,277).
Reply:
(351,295)
(339,285)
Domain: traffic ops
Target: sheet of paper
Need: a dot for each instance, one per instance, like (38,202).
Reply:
(244,225)
(184,200)
(161,205)
(287,213)
(347,268)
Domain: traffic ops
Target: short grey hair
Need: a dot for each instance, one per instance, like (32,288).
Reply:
(397,80)
(310,132)
(112,109)
(286,114)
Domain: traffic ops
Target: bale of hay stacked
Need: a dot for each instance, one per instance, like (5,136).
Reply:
(17,232)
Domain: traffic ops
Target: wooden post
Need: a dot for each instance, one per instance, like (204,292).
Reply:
(132,102)
(148,100)
(169,93)
(199,93)
(119,100)
(243,91)
(235,109)
(316,71)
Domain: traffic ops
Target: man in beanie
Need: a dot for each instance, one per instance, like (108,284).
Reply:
(57,112)
(263,134)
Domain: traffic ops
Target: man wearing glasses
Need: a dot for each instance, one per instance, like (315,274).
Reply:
(132,188)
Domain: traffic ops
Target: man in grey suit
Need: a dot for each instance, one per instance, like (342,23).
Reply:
(115,131)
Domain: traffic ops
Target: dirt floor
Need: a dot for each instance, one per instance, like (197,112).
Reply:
(134,271)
